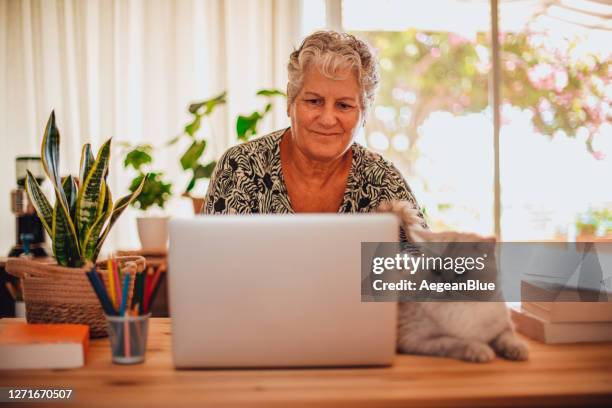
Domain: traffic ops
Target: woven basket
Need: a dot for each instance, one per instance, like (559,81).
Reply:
(57,294)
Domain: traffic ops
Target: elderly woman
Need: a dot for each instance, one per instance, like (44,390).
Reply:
(315,165)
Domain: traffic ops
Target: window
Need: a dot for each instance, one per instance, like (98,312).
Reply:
(433,116)
(556,138)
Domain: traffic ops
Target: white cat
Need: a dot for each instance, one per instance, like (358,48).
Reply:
(470,331)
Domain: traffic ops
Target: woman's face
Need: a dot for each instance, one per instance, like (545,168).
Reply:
(326,114)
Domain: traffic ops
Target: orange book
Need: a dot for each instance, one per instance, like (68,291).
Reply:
(25,346)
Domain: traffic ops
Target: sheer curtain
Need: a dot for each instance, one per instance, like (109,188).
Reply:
(128,69)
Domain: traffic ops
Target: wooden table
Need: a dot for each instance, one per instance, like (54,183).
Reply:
(561,375)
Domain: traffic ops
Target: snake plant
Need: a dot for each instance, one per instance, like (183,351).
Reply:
(83,213)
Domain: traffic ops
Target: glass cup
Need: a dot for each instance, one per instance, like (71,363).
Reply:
(128,338)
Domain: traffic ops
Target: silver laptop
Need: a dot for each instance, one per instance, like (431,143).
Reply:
(276,291)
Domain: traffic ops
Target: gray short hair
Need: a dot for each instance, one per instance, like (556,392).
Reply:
(330,51)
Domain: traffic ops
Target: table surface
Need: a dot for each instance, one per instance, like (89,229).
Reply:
(556,375)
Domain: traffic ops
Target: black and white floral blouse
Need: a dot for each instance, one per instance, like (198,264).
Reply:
(248,179)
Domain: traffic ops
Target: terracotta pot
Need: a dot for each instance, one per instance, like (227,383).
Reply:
(198,204)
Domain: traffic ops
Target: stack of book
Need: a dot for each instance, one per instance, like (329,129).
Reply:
(561,315)
(47,346)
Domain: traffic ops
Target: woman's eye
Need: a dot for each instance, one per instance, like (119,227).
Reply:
(313,101)
(344,106)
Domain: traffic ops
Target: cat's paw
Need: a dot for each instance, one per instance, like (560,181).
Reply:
(475,352)
(510,347)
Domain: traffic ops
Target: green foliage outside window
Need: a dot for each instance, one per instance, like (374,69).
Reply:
(440,71)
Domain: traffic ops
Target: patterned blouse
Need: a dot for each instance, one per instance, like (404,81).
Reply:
(248,179)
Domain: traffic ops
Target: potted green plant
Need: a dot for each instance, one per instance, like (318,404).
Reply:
(78,222)
(154,194)
(191,160)
(246,128)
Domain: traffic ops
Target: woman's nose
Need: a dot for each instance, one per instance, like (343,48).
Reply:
(328,116)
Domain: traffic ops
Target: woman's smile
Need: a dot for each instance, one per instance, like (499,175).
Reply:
(326,134)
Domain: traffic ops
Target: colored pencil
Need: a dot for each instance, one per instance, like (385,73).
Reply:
(136,289)
(138,333)
(111,283)
(141,288)
(126,337)
(98,288)
(116,265)
(147,291)
(157,280)
(104,295)
(124,295)
(117,282)
(104,282)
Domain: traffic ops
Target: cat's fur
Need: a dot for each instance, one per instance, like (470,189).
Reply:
(470,331)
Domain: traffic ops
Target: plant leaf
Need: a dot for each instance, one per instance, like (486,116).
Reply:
(137,157)
(91,194)
(204,171)
(91,238)
(190,157)
(87,160)
(209,103)
(50,154)
(40,202)
(137,180)
(70,190)
(270,92)
(212,103)
(50,162)
(118,208)
(65,248)
(174,140)
(124,144)
(101,198)
(154,191)
(191,185)
(193,127)
(246,126)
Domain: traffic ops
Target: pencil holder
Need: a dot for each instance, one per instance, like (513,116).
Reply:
(128,337)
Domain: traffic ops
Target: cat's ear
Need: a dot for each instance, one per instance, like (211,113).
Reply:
(385,206)
(487,239)
(419,234)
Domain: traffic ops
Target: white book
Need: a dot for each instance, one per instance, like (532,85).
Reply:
(556,312)
(558,304)
(556,333)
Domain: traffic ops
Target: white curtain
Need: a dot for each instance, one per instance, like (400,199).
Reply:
(128,69)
